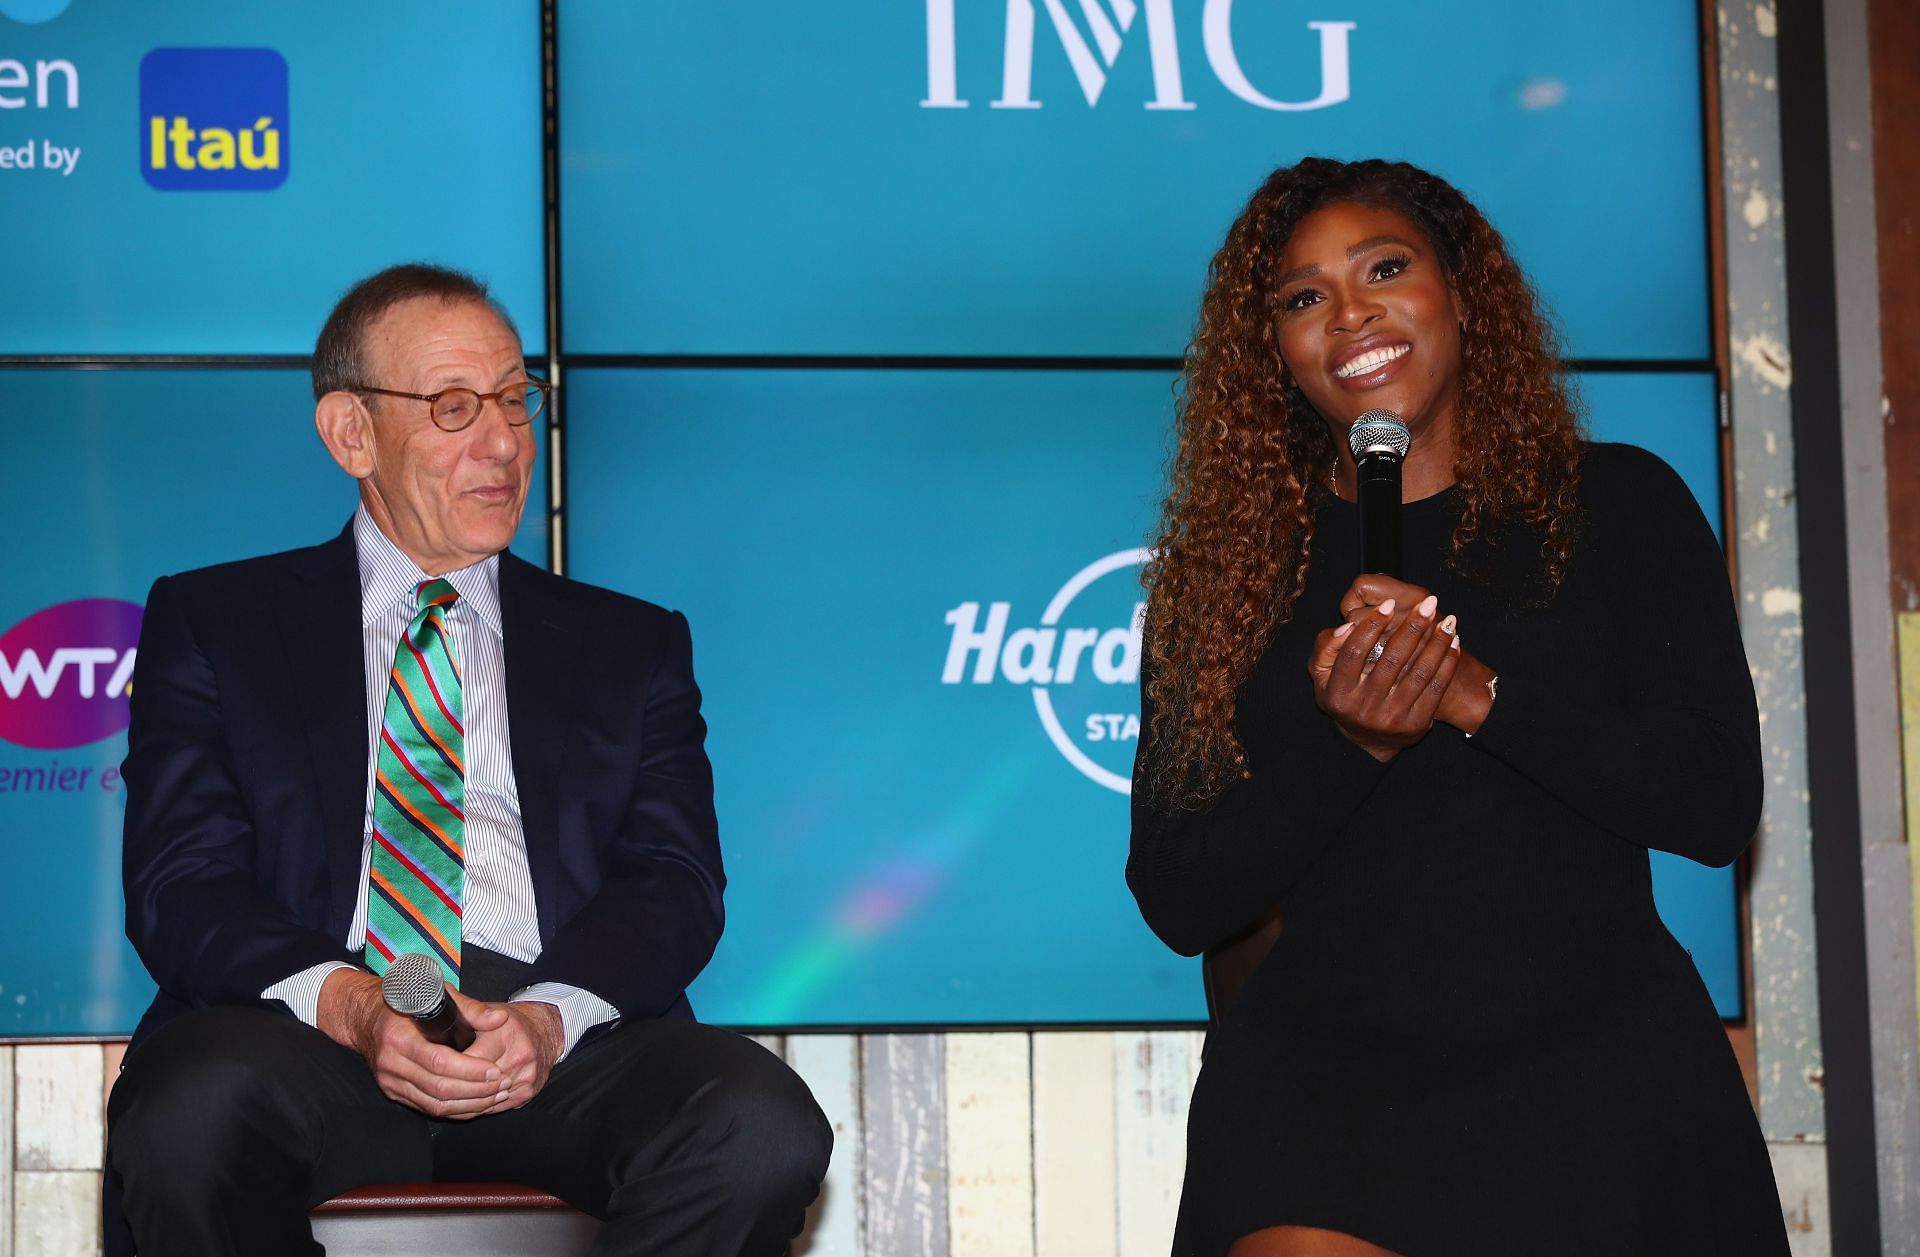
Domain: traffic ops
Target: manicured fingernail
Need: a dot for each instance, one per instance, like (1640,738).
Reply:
(1454,644)
(1343,630)
(1385,608)
(1428,606)
(1447,625)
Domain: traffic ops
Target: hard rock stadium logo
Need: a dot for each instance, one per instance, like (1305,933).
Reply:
(1081,663)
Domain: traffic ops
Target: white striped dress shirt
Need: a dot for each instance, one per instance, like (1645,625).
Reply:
(498,910)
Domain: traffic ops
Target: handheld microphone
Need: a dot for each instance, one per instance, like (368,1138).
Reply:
(1379,441)
(412,988)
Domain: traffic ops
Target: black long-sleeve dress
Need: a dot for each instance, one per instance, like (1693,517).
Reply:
(1475,1036)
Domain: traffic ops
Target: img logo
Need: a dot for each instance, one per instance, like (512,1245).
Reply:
(213,119)
(65,673)
(1109,25)
(1082,662)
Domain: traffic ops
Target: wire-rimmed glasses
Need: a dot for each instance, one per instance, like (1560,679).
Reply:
(454,409)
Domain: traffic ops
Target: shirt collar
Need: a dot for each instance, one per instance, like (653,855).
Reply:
(388,576)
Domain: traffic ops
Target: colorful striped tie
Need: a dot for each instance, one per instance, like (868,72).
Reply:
(416,876)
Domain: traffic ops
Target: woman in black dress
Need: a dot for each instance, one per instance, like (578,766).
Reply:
(1474,1036)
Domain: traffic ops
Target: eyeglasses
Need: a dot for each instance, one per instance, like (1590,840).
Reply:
(454,409)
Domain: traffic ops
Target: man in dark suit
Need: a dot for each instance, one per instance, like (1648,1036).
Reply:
(408,740)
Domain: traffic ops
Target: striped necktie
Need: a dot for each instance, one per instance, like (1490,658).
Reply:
(416,875)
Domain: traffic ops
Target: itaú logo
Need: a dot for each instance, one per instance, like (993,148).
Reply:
(1081,663)
(66,672)
(1091,61)
(214,119)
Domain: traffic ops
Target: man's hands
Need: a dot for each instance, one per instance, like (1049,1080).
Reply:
(514,1048)
(523,1041)
(1386,703)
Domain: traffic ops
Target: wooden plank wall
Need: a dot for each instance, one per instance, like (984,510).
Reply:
(1004,1144)
(1008,1144)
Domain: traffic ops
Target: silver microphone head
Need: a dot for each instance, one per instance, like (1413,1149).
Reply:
(412,984)
(1379,432)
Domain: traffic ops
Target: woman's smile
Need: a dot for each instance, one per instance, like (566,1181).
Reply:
(1369,363)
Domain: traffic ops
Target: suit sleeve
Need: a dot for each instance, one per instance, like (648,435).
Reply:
(1673,763)
(1200,875)
(654,921)
(195,912)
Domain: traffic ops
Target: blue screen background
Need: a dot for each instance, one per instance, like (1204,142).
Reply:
(414,134)
(755,211)
(815,208)
(900,847)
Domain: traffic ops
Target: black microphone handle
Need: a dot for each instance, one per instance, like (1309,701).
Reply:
(1379,496)
(444,1024)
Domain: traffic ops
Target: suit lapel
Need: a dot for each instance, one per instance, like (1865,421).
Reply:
(541,640)
(320,624)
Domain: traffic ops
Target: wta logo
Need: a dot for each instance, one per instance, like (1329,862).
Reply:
(213,119)
(33,12)
(1081,663)
(66,672)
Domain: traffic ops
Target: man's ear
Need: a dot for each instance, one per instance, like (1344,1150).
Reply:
(346,429)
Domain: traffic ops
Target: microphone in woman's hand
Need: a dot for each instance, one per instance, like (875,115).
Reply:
(1379,442)
(412,988)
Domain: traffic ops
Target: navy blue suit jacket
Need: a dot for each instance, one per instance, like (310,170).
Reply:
(246,782)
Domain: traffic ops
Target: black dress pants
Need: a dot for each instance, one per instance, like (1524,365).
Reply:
(229,1124)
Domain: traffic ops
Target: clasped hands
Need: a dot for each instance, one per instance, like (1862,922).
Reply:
(1422,674)
(513,1050)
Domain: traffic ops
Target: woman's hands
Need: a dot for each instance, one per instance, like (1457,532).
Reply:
(1388,702)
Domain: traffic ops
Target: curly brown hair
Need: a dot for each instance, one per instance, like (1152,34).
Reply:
(1254,459)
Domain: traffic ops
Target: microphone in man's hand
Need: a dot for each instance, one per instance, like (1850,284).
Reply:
(1379,442)
(412,988)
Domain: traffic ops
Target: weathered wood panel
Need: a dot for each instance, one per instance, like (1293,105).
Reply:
(57,1120)
(1766,529)
(1909,638)
(903,1103)
(989,1145)
(830,1065)
(56,1213)
(6,1152)
(1075,1192)
(1155,1079)
(1800,1170)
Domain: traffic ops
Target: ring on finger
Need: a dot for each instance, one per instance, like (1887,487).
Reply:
(1379,648)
